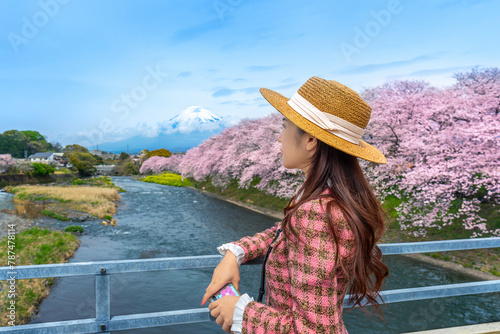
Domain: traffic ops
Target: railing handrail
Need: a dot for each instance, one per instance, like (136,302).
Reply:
(156,319)
(103,322)
(438,246)
(110,267)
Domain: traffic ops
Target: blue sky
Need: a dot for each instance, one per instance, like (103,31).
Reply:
(90,71)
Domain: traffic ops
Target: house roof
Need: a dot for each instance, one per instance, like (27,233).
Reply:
(41,155)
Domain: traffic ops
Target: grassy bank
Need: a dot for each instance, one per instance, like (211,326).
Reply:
(251,195)
(33,246)
(101,181)
(94,196)
(168,180)
(63,171)
(487,260)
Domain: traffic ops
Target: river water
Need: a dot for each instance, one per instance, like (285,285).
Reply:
(162,221)
(6,201)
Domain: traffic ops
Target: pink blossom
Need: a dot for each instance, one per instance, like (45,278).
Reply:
(441,145)
(6,162)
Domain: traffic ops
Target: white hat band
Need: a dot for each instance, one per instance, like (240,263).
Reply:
(333,124)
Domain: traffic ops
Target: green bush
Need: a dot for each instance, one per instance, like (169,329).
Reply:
(83,162)
(74,228)
(124,156)
(160,153)
(78,182)
(130,168)
(42,169)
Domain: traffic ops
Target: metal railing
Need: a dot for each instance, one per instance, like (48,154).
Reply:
(103,322)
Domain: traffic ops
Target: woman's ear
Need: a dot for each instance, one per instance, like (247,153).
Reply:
(312,143)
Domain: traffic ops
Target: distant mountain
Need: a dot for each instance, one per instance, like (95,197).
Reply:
(194,118)
(179,134)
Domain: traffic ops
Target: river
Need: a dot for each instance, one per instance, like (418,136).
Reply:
(6,201)
(160,221)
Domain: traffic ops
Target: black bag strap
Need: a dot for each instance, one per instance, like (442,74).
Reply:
(263,275)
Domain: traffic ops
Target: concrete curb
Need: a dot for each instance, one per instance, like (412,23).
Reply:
(489,328)
(268,212)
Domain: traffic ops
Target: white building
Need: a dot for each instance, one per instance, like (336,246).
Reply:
(42,157)
(47,157)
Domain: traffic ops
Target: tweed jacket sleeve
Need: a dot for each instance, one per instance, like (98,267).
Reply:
(305,290)
(257,245)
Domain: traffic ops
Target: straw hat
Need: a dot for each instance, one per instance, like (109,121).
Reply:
(331,112)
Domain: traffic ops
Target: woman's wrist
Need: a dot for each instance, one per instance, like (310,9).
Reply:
(239,309)
(230,255)
(236,250)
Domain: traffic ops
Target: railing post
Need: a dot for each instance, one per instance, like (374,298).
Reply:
(102,301)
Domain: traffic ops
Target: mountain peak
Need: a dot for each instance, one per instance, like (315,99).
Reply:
(182,132)
(195,113)
(194,118)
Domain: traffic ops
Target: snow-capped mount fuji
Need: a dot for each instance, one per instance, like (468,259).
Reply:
(194,117)
(182,132)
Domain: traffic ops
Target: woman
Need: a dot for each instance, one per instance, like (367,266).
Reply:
(331,225)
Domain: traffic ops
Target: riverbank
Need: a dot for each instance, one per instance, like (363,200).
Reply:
(481,263)
(77,200)
(9,218)
(36,239)
(31,246)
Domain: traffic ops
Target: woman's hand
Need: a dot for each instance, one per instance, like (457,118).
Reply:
(226,272)
(223,310)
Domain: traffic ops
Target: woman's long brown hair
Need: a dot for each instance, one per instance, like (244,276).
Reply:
(353,195)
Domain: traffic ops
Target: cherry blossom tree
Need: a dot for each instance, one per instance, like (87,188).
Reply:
(6,162)
(154,164)
(441,145)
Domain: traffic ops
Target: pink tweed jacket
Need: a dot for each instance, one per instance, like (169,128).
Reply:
(304,292)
